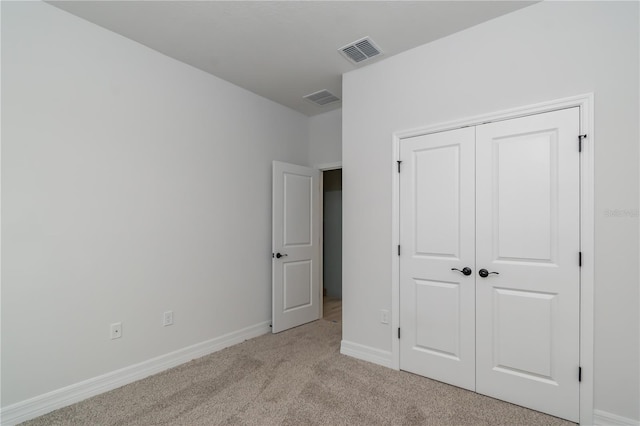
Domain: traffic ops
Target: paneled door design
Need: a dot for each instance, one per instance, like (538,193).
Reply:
(295,246)
(528,230)
(437,219)
(524,259)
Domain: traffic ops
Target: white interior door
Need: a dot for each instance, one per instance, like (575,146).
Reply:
(503,200)
(437,315)
(528,230)
(296,265)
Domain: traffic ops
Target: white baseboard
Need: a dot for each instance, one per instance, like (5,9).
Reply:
(602,418)
(42,404)
(366,353)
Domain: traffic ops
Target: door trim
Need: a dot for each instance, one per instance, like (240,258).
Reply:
(323,168)
(585,103)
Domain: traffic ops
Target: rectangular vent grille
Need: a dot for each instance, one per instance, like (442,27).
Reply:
(360,50)
(323,97)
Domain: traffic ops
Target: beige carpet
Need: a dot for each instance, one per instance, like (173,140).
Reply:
(296,377)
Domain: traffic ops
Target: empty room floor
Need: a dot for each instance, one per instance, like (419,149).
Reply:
(297,377)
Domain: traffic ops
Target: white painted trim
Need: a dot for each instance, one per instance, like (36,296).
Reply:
(508,114)
(395,259)
(42,404)
(587,214)
(587,246)
(0,224)
(366,353)
(328,166)
(321,238)
(602,418)
(324,168)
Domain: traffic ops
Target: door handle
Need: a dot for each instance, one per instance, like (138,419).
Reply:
(484,273)
(278,255)
(466,270)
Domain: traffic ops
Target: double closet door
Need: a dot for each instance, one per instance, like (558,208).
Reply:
(489,272)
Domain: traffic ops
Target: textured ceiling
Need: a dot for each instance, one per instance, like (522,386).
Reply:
(283,50)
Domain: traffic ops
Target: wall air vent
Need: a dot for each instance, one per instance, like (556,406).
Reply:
(322,98)
(360,50)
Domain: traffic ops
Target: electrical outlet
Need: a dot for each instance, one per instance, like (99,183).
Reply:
(116,330)
(167,319)
(384,316)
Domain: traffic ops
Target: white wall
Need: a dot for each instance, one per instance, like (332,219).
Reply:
(544,52)
(325,138)
(131,184)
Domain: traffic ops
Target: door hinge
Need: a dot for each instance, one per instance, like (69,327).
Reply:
(399,162)
(398,249)
(398,332)
(579,258)
(580,137)
(579,374)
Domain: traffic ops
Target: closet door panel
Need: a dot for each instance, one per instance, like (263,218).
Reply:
(437,315)
(528,229)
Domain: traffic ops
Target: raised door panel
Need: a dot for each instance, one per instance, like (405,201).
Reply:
(522,329)
(298,217)
(298,285)
(525,197)
(436,189)
(437,306)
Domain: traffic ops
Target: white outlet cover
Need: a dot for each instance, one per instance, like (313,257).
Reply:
(116,330)
(167,318)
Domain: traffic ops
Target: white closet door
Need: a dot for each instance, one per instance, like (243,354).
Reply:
(528,229)
(437,315)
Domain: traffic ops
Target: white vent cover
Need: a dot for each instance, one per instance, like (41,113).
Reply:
(323,97)
(360,50)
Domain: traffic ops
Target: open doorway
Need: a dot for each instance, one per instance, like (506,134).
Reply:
(332,244)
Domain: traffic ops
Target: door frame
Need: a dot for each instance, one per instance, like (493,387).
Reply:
(585,103)
(323,168)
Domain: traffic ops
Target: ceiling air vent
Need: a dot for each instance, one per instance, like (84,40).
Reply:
(323,97)
(360,50)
